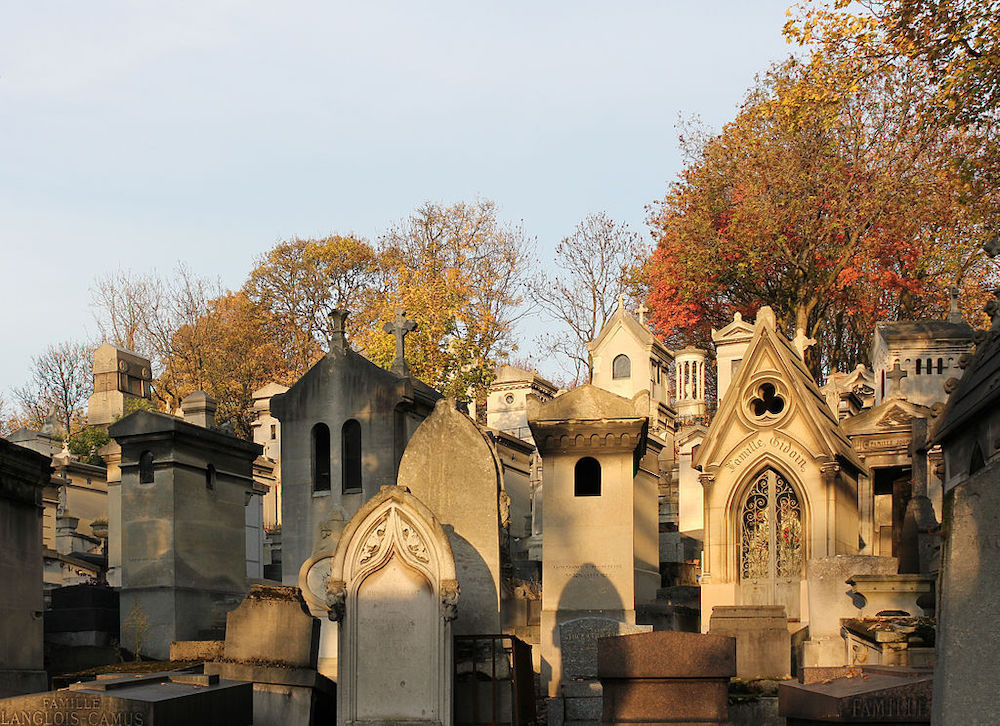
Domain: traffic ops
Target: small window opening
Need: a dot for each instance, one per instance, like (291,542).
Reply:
(621,367)
(351,456)
(930,366)
(274,431)
(321,457)
(146,467)
(210,477)
(587,478)
(940,366)
(918,366)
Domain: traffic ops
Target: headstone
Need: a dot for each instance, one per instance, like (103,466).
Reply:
(23,476)
(666,677)
(450,466)
(578,640)
(876,697)
(158,699)
(830,602)
(763,641)
(273,641)
(392,587)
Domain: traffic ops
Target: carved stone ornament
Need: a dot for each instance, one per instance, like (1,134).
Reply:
(336,599)
(450,592)
(411,540)
(504,510)
(373,544)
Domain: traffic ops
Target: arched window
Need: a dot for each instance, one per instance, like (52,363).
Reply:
(146,467)
(321,457)
(621,367)
(771,530)
(210,477)
(930,365)
(587,477)
(940,366)
(918,366)
(350,452)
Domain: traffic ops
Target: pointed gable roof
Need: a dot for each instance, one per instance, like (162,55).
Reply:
(978,390)
(621,318)
(768,346)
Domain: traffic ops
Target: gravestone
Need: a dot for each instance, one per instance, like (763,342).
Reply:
(23,476)
(578,640)
(830,602)
(158,699)
(878,696)
(273,641)
(666,677)
(392,588)
(450,466)
(763,642)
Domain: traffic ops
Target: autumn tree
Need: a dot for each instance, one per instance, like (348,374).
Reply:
(458,271)
(827,200)
(233,357)
(592,267)
(298,281)
(61,381)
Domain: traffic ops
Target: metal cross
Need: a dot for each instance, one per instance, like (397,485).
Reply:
(896,375)
(641,312)
(399,327)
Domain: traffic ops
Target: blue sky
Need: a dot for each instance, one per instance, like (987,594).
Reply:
(139,134)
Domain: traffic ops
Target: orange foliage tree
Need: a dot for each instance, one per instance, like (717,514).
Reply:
(827,199)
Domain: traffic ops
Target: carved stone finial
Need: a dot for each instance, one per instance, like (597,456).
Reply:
(896,375)
(338,332)
(766,316)
(400,326)
(992,246)
(450,592)
(801,342)
(992,309)
(621,301)
(336,599)
(954,313)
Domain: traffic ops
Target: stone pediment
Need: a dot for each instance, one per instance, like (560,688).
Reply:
(773,391)
(891,415)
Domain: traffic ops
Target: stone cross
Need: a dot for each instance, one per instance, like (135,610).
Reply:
(641,312)
(399,327)
(896,375)
(338,332)
(801,342)
(621,301)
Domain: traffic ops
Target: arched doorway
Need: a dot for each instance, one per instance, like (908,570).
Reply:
(771,543)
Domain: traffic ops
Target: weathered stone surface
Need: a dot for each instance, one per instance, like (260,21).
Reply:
(450,466)
(875,698)
(23,474)
(667,655)
(763,643)
(273,625)
(160,699)
(578,641)
(197,649)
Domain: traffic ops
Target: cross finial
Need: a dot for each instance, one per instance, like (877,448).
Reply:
(399,327)
(621,301)
(641,312)
(954,313)
(338,333)
(801,342)
(896,375)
